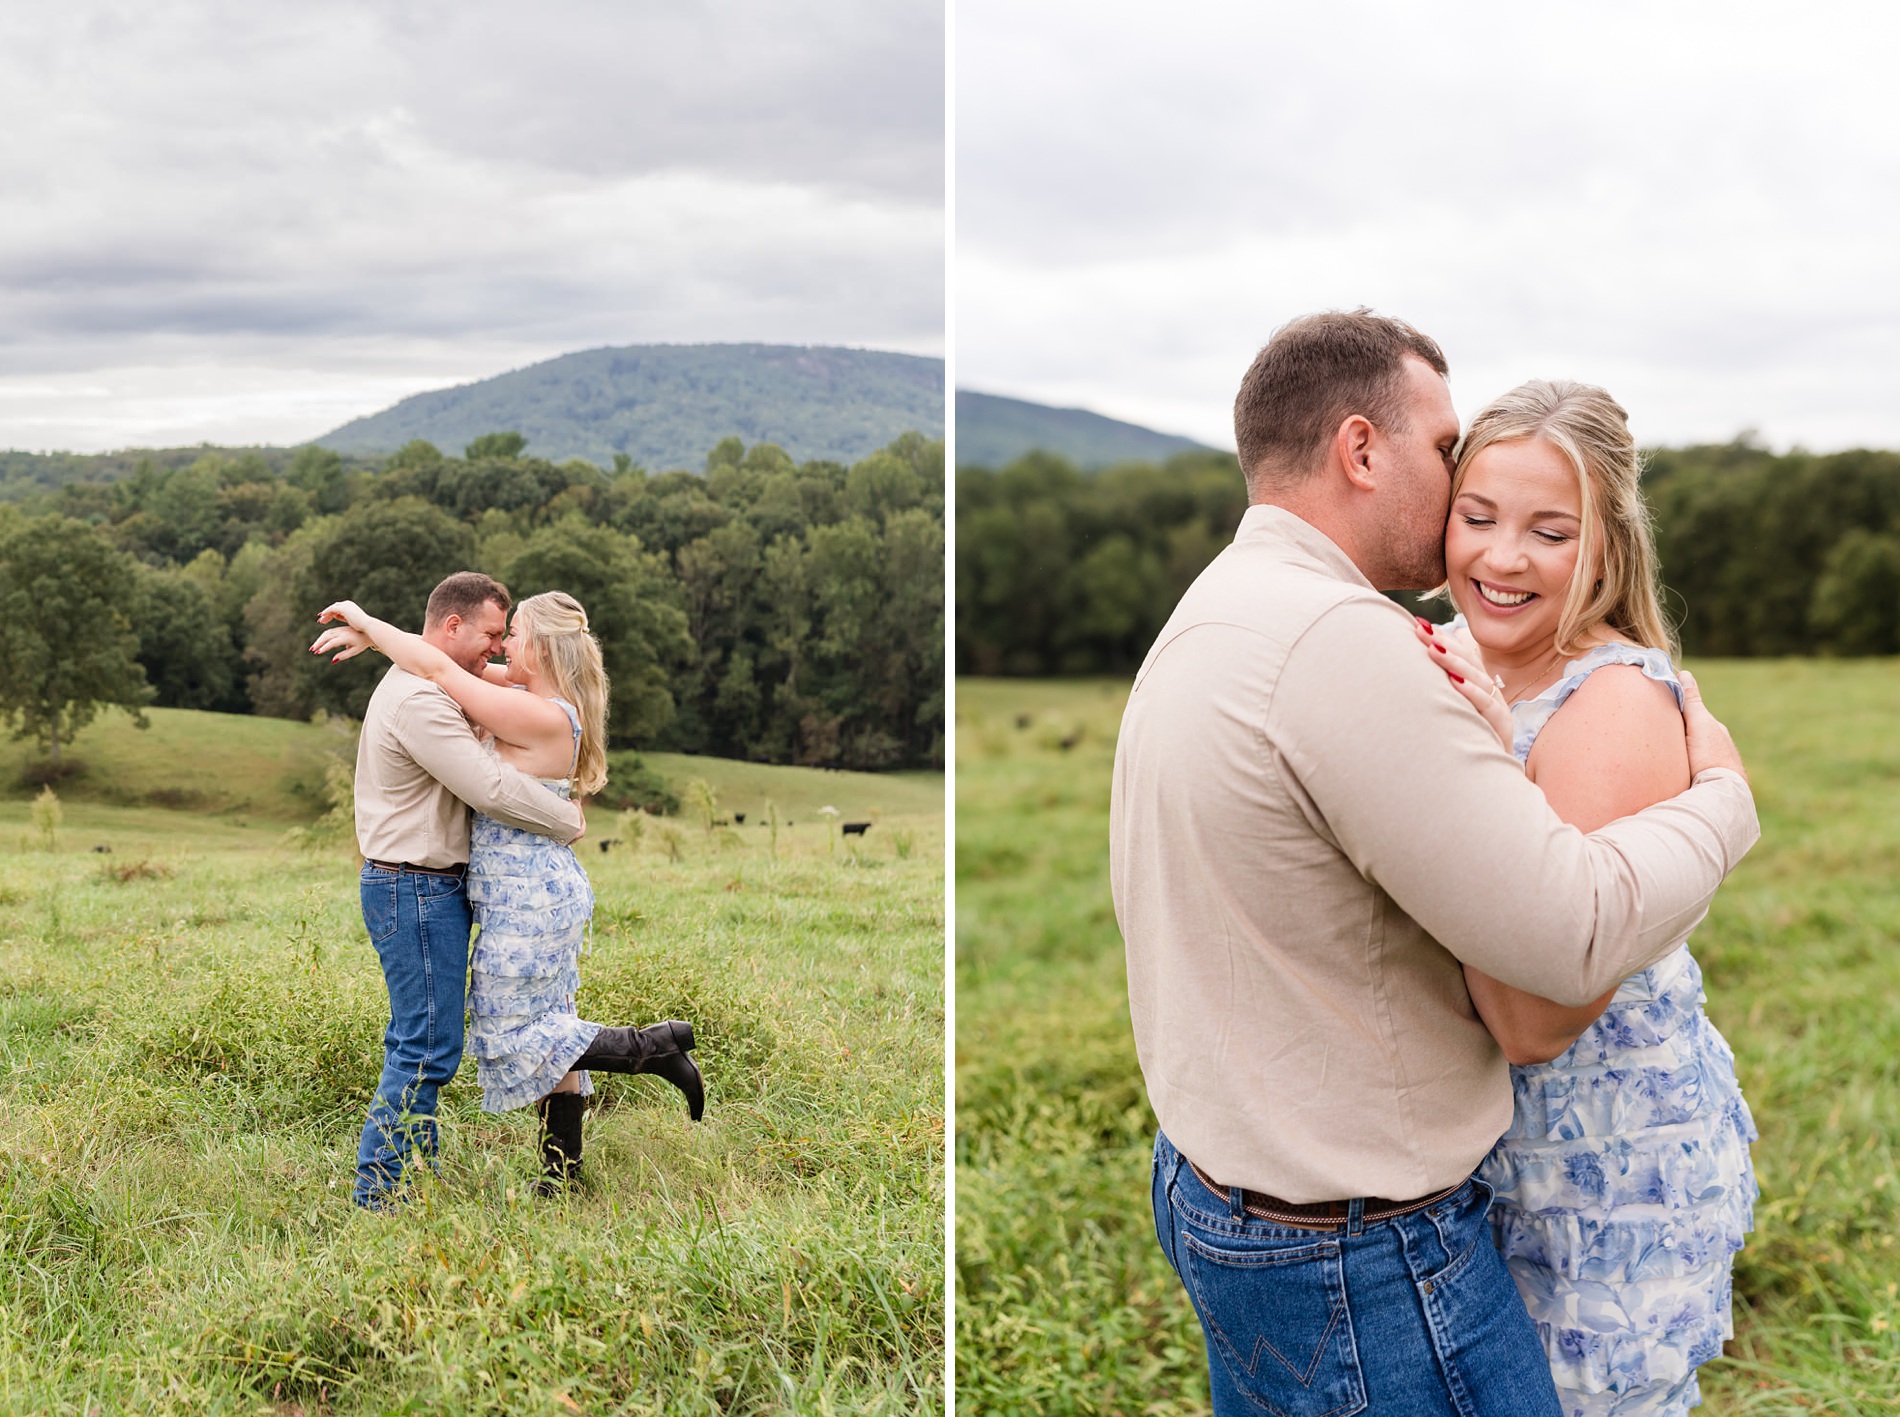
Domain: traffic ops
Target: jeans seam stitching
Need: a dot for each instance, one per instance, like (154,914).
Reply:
(1306,1378)
(1263,1261)
(1227,1343)
(428,982)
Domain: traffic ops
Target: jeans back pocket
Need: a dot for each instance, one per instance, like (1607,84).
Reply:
(1276,1313)
(380,907)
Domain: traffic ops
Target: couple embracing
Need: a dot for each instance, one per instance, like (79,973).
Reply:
(447,731)
(1443,1126)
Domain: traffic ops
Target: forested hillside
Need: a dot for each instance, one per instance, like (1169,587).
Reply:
(764,609)
(992,431)
(663,405)
(1762,554)
(24,474)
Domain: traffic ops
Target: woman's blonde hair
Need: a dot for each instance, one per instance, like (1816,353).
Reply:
(554,626)
(1592,432)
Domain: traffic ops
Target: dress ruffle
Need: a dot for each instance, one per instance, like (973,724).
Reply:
(525,885)
(1631,1375)
(531,898)
(1624,1185)
(1529,717)
(1626,1248)
(1624,1189)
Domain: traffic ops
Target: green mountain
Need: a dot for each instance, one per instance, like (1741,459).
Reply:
(993,431)
(666,405)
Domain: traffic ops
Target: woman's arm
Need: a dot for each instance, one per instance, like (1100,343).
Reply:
(1616,747)
(1527,1028)
(523,720)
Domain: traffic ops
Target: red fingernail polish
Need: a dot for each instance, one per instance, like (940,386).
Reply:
(1440,648)
(1456,678)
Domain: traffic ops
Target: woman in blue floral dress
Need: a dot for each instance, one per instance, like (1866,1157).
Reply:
(528,894)
(1624,1186)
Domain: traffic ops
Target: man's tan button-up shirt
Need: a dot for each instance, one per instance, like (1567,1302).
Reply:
(1310,828)
(419,769)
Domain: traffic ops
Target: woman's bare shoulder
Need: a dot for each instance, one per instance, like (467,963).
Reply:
(1623,689)
(1616,746)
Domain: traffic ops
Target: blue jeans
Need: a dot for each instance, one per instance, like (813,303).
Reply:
(1415,1316)
(419,925)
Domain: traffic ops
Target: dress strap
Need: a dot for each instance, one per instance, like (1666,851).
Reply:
(1529,717)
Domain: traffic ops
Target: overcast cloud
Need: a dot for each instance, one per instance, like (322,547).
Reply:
(252,222)
(1694,205)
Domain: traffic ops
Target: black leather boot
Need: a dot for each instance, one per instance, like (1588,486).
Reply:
(660,1049)
(560,1114)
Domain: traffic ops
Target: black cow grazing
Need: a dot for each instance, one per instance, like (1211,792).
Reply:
(105,849)
(1023,720)
(739,817)
(1071,740)
(855,828)
(608,842)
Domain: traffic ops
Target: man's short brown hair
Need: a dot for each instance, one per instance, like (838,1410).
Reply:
(1314,374)
(463,594)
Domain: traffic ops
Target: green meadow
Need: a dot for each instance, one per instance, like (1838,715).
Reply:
(1064,1303)
(190,1027)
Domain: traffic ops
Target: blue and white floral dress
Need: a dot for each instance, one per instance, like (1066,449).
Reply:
(531,898)
(1624,1186)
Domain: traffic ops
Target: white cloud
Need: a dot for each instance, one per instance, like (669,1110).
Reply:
(241,220)
(1691,204)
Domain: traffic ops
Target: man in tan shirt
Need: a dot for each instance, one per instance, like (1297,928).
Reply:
(1310,831)
(419,769)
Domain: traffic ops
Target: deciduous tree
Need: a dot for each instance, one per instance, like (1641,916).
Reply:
(67,643)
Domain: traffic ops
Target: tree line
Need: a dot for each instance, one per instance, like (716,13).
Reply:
(1762,553)
(763,609)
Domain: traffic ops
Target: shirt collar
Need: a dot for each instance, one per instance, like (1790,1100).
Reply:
(1276,524)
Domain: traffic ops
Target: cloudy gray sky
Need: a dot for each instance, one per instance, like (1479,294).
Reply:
(237,222)
(1692,204)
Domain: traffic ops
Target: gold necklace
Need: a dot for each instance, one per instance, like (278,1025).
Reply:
(1556,660)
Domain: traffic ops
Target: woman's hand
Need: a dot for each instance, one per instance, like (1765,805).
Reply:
(1455,652)
(347,611)
(340,642)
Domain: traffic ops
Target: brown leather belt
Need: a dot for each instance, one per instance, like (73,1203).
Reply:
(452,872)
(1319,1215)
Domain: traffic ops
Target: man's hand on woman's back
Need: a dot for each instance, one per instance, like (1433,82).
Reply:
(1710,745)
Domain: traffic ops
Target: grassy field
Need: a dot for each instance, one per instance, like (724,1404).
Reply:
(271,770)
(799,793)
(190,1024)
(237,768)
(1064,1303)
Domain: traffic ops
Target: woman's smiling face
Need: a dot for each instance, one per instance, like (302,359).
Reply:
(1511,544)
(515,648)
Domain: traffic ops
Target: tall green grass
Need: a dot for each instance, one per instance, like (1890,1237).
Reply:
(190,1026)
(1064,1303)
